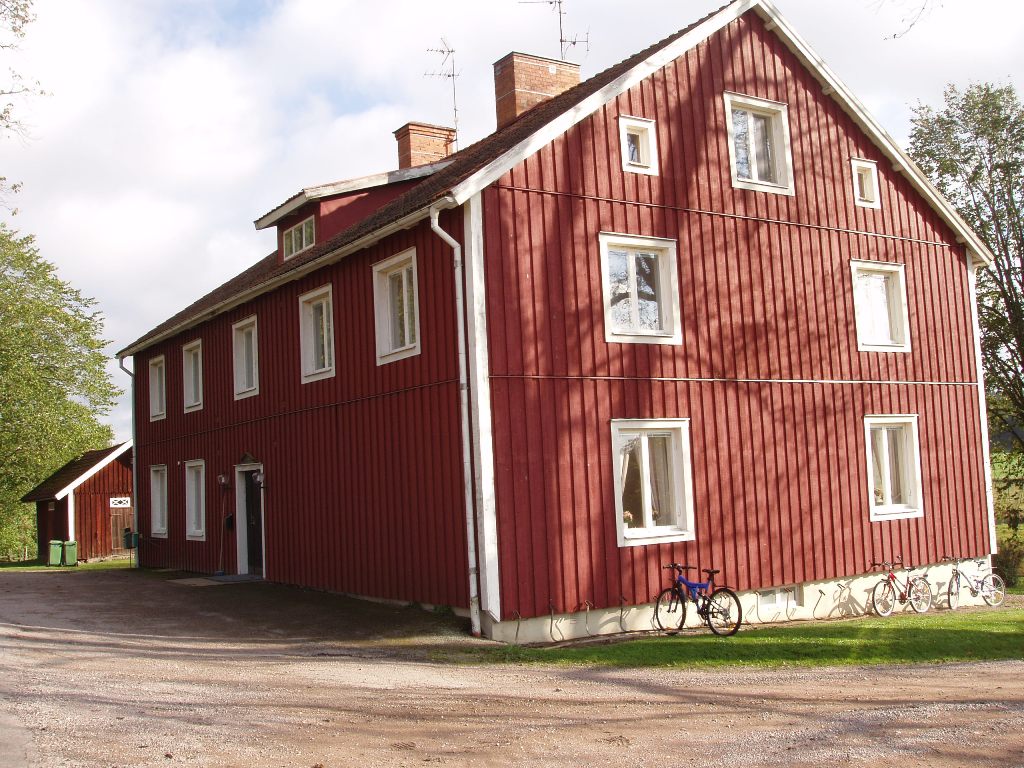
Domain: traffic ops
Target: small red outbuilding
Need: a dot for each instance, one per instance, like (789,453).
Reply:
(88,500)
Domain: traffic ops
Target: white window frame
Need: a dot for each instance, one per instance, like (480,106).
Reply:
(668,280)
(897,302)
(869,169)
(680,473)
(306,236)
(778,112)
(912,473)
(644,129)
(238,331)
(383,311)
(306,301)
(157,388)
(193,400)
(158,501)
(195,532)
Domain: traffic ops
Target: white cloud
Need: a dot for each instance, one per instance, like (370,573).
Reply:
(173,124)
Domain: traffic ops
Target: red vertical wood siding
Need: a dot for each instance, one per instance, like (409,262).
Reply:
(768,372)
(92,507)
(51,525)
(363,489)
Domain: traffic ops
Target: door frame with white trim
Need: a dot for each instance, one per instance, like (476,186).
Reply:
(241,527)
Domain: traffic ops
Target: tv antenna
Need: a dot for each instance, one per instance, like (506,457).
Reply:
(565,42)
(447,69)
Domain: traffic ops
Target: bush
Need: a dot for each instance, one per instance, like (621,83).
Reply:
(1009,558)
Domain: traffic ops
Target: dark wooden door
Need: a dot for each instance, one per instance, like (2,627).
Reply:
(120,518)
(254,524)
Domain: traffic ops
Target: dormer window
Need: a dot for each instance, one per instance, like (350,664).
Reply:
(865,183)
(639,146)
(298,238)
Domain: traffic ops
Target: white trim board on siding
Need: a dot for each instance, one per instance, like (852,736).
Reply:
(86,475)
(799,47)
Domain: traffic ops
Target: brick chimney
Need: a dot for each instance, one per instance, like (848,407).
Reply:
(422,143)
(522,81)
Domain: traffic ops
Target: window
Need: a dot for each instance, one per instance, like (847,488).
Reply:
(865,183)
(396,306)
(653,485)
(298,238)
(157,389)
(880,303)
(195,500)
(759,150)
(246,358)
(894,467)
(638,141)
(641,289)
(158,500)
(317,329)
(192,374)
(780,599)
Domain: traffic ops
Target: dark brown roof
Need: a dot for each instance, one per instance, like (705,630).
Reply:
(464,164)
(74,469)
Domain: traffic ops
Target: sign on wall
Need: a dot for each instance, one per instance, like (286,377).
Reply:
(120,501)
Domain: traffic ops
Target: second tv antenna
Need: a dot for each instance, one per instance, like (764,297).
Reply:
(447,69)
(564,42)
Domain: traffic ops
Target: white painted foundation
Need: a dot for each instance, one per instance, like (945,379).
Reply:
(834,599)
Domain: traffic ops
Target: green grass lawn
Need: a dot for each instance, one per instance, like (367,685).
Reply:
(37,565)
(936,637)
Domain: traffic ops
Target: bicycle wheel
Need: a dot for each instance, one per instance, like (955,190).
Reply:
(993,589)
(724,612)
(883,597)
(670,610)
(920,594)
(953,593)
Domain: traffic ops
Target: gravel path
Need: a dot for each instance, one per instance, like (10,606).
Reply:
(257,675)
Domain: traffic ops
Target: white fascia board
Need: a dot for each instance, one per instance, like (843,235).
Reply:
(328,258)
(796,44)
(853,107)
(548,132)
(349,185)
(96,468)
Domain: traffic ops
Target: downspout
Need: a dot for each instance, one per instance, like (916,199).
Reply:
(135,473)
(467,464)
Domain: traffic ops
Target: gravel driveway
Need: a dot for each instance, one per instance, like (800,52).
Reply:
(128,668)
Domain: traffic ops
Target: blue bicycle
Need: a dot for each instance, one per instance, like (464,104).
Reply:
(719,607)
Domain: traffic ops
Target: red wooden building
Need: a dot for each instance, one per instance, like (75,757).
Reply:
(88,500)
(699,307)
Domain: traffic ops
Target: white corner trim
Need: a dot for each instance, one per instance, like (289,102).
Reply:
(480,384)
(96,468)
(972,282)
(71,518)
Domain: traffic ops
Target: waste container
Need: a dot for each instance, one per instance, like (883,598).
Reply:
(56,552)
(70,553)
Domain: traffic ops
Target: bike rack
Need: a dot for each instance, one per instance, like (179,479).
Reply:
(587,606)
(622,612)
(551,626)
(519,621)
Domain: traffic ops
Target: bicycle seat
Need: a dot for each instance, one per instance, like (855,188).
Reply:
(711,571)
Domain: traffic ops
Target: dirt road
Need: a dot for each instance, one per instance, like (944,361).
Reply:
(128,669)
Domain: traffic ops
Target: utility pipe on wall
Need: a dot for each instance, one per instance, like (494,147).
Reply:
(135,473)
(467,465)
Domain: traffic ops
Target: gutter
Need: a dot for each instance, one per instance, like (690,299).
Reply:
(467,448)
(135,458)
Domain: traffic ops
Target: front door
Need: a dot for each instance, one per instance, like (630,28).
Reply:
(249,520)
(253,523)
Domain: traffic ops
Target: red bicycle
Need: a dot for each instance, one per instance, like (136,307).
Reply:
(915,589)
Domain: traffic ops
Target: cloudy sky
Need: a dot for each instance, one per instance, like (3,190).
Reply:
(171,125)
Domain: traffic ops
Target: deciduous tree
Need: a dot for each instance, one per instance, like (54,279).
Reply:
(973,150)
(54,386)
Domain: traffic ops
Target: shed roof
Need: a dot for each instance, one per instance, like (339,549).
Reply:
(75,472)
(478,165)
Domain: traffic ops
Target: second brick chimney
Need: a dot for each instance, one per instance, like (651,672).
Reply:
(522,81)
(422,143)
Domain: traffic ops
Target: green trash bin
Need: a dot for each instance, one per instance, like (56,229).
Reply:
(70,553)
(56,553)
